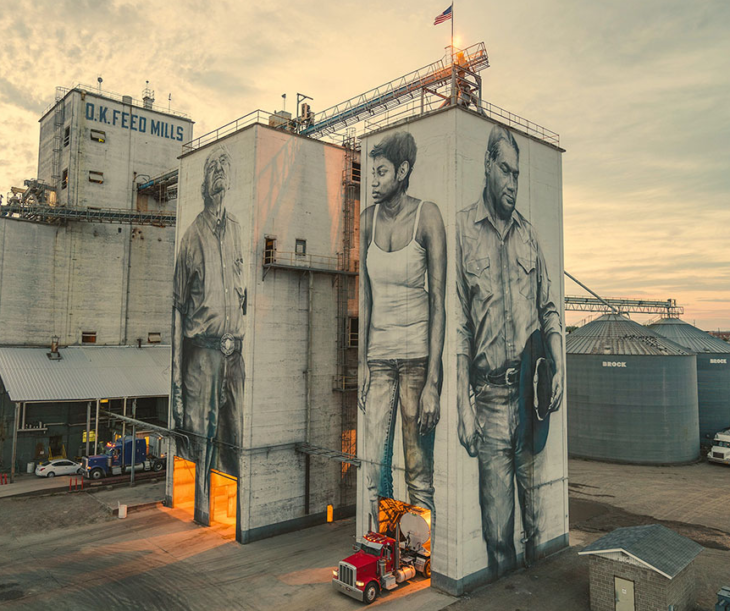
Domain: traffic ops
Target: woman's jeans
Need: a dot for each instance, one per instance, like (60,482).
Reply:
(397,383)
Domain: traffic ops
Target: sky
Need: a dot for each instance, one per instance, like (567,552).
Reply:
(638,91)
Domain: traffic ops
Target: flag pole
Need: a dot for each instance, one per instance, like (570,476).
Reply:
(453,68)
(452,31)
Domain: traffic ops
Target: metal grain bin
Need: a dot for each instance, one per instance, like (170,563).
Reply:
(632,394)
(713,373)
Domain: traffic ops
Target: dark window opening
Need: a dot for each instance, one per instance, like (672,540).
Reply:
(300,248)
(64,179)
(97,177)
(88,337)
(269,251)
(355,171)
(98,135)
(352,331)
(66,137)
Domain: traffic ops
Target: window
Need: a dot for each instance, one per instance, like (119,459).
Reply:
(300,248)
(88,337)
(352,331)
(98,135)
(66,137)
(64,179)
(269,251)
(356,171)
(154,338)
(97,177)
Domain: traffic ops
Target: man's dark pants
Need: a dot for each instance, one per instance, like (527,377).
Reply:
(505,459)
(213,399)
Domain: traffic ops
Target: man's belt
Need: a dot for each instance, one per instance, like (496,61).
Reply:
(226,344)
(509,376)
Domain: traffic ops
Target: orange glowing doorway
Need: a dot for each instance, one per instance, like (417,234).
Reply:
(223,496)
(183,485)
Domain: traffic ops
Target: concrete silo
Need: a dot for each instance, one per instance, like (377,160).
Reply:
(632,394)
(713,372)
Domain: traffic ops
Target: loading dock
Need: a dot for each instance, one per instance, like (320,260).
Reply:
(223,491)
(183,485)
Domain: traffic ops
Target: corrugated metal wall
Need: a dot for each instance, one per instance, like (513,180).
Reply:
(642,411)
(713,373)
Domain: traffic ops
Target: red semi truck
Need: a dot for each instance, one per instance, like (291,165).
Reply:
(380,563)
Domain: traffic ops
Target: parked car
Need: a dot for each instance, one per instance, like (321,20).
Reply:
(58,466)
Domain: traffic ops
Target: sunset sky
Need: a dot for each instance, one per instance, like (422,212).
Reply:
(638,91)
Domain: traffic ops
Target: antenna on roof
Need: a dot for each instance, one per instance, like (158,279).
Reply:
(148,96)
(100,81)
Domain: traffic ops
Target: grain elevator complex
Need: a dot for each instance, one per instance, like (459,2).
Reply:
(278,304)
(87,249)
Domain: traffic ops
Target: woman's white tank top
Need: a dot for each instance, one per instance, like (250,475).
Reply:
(399,315)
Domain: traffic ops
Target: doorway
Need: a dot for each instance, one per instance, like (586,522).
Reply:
(183,485)
(624,594)
(223,498)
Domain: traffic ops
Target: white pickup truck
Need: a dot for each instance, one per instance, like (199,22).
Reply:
(720,451)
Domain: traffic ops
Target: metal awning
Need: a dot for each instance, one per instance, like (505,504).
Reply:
(85,373)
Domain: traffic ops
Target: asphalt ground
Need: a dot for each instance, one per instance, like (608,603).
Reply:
(68,551)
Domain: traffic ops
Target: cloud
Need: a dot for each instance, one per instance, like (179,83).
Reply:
(637,91)
(12,95)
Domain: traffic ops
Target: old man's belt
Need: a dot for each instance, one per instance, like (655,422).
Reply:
(226,344)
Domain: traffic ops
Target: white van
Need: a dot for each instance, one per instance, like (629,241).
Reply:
(720,451)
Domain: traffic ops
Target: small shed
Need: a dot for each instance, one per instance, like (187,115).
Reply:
(642,568)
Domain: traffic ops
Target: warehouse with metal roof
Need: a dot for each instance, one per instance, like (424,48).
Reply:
(50,400)
(632,394)
(713,372)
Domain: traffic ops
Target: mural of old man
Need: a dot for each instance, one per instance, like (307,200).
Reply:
(209,304)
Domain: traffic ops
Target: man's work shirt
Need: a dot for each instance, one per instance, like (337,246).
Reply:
(208,288)
(503,289)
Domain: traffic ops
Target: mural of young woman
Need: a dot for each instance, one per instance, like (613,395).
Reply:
(402,317)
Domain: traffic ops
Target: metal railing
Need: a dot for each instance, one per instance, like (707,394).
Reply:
(415,94)
(117,97)
(56,214)
(257,116)
(327,263)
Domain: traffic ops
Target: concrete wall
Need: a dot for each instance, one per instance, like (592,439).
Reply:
(64,280)
(137,141)
(288,188)
(450,172)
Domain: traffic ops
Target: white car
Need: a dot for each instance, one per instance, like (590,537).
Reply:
(58,466)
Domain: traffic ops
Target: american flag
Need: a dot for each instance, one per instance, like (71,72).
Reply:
(445,16)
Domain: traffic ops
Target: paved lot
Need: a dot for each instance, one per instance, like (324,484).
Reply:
(68,552)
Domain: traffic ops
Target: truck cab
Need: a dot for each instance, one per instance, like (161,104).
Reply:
(359,575)
(118,458)
(720,451)
(381,562)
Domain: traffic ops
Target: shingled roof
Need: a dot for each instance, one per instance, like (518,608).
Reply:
(657,547)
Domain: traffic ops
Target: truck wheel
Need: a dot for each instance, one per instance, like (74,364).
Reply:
(371,593)
(427,569)
(51,474)
(157,466)
(97,474)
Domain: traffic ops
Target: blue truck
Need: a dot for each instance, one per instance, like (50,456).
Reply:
(116,462)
